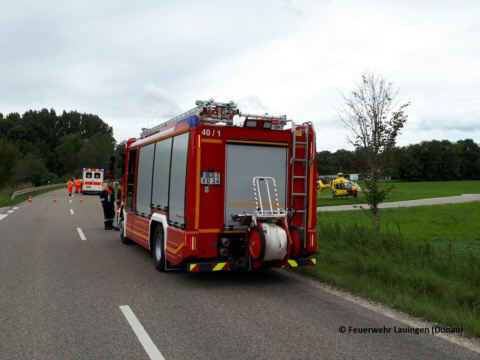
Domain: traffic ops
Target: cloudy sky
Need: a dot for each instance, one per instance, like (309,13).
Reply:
(137,63)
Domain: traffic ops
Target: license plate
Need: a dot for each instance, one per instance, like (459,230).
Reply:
(210,178)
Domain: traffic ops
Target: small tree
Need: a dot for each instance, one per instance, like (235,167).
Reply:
(374,119)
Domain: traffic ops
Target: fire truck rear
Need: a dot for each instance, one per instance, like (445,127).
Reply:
(205,194)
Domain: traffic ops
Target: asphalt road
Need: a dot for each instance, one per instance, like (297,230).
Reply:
(62,297)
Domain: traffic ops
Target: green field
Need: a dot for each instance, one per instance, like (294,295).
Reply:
(426,261)
(408,191)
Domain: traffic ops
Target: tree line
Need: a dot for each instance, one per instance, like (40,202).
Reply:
(40,146)
(433,160)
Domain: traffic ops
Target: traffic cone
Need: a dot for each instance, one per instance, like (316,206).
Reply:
(54,199)
(29,198)
(81,200)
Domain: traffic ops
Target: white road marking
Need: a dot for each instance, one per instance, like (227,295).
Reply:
(71,211)
(15,208)
(142,335)
(2,216)
(10,211)
(80,232)
(70,200)
(385,311)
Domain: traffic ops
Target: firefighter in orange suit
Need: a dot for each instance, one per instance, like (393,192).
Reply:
(78,185)
(70,187)
(107,197)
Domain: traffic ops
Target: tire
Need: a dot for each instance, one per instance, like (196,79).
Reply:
(298,242)
(125,240)
(158,248)
(256,243)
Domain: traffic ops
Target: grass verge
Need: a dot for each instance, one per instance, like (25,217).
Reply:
(6,197)
(426,262)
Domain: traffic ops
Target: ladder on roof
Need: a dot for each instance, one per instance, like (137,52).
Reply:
(299,184)
(207,111)
(211,112)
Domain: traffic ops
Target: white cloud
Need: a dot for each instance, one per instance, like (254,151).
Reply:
(158,103)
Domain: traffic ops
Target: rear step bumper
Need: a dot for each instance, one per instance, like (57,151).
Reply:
(233,265)
(301,262)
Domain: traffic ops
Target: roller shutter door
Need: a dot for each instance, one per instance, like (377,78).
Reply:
(244,162)
(178,179)
(144,179)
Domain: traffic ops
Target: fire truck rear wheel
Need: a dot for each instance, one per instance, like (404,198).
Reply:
(298,242)
(256,243)
(158,247)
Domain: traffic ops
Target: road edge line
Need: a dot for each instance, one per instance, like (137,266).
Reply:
(471,344)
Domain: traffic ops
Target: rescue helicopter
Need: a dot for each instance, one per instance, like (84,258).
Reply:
(341,187)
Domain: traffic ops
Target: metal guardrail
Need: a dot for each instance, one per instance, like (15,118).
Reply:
(39,188)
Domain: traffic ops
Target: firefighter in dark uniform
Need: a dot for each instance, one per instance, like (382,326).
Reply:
(107,197)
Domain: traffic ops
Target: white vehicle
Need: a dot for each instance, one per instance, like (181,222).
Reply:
(92,180)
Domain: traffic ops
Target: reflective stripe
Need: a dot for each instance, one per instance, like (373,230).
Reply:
(194,268)
(292,263)
(219,266)
(300,262)
(174,251)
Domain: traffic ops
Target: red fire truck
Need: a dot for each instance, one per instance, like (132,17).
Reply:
(204,194)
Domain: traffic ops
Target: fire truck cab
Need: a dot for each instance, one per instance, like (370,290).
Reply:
(92,180)
(205,194)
